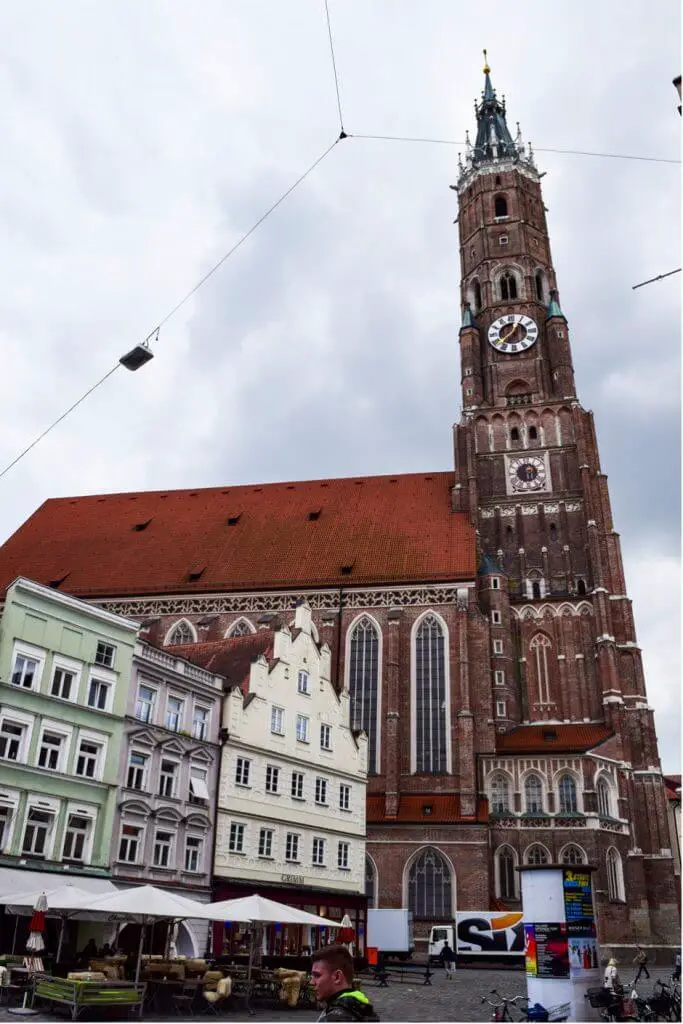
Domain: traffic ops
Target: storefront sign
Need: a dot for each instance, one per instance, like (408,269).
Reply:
(293,879)
(488,932)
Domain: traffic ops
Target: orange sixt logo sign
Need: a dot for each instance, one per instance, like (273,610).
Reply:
(489,932)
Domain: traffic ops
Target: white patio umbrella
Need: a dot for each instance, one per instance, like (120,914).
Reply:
(144,904)
(62,902)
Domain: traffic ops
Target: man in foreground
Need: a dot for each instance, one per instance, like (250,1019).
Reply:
(332,977)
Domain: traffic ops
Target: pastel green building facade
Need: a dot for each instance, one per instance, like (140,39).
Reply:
(65,671)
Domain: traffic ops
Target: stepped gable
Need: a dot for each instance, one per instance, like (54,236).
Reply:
(350,531)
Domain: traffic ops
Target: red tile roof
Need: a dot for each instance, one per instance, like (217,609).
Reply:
(527,739)
(230,658)
(382,529)
(445,807)
(672,784)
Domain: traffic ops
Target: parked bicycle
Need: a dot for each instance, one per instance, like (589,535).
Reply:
(529,1011)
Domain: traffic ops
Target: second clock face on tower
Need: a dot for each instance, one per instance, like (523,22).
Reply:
(527,473)
(513,333)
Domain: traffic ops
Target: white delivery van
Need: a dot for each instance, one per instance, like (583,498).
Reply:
(391,932)
(438,937)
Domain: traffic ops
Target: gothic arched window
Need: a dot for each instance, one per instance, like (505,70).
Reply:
(567,793)
(573,855)
(539,285)
(536,854)
(508,287)
(500,794)
(509,536)
(429,886)
(182,633)
(507,876)
(240,628)
(533,433)
(477,296)
(581,587)
(501,206)
(363,683)
(514,434)
(533,795)
(539,646)
(553,531)
(536,589)
(370,879)
(431,722)
(615,875)
(604,799)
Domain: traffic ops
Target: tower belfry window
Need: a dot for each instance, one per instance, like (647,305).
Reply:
(500,206)
(477,296)
(508,287)
(539,285)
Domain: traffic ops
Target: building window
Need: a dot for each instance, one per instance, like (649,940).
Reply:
(573,855)
(539,646)
(24,671)
(167,778)
(193,853)
(277,721)
(500,794)
(11,741)
(495,583)
(37,833)
(581,587)
(495,618)
(344,797)
(429,887)
(615,875)
(567,792)
(514,434)
(182,633)
(302,723)
(129,847)
(318,852)
(272,779)
(98,694)
(321,791)
(292,846)
(604,799)
(326,737)
(343,856)
(500,206)
(303,684)
(298,785)
(369,881)
(364,682)
(199,791)
(535,590)
(200,722)
(6,812)
(62,682)
(50,751)
(502,240)
(533,433)
(477,296)
(499,675)
(497,646)
(87,759)
(174,713)
(144,705)
(105,654)
(538,278)
(431,719)
(240,628)
(137,769)
(508,287)
(507,876)
(500,709)
(163,842)
(536,854)
(265,842)
(509,536)
(242,771)
(533,795)
(236,842)
(553,532)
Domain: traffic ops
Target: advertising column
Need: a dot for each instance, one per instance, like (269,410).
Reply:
(560,937)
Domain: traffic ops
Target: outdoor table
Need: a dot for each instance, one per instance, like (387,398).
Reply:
(160,991)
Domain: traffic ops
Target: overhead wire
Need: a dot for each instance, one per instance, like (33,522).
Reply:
(175,308)
(660,277)
(334,69)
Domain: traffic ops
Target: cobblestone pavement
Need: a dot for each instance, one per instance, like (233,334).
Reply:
(445,1000)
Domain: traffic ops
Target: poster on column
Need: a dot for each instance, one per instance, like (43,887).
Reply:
(552,953)
(530,963)
(578,895)
(583,950)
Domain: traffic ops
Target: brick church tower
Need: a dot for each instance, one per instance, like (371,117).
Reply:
(564,654)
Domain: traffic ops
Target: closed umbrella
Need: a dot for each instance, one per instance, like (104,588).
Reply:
(36,942)
(346,933)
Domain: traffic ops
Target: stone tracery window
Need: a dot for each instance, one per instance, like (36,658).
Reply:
(240,628)
(431,723)
(536,854)
(508,286)
(182,633)
(573,854)
(507,876)
(500,794)
(567,793)
(429,886)
(533,795)
(604,799)
(615,875)
(540,646)
(364,682)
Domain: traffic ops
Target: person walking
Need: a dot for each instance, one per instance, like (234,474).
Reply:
(332,977)
(641,960)
(447,958)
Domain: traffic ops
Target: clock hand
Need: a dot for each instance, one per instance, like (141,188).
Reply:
(509,334)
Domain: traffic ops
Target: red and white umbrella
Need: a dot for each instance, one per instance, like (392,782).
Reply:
(36,942)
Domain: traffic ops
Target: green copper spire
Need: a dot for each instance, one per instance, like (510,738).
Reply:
(554,307)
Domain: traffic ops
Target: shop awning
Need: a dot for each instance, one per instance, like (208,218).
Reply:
(20,880)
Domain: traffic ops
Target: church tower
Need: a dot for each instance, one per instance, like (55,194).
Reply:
(564,655)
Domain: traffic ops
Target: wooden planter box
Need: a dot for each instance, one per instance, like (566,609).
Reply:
(81,995)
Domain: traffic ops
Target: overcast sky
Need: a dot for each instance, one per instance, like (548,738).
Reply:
(141,140)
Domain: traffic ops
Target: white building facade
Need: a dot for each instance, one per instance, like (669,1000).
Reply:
(291,806)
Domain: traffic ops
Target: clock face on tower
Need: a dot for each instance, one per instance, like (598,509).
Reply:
(513,333)
(527,473)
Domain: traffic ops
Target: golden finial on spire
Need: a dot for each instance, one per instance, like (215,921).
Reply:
(487,69)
